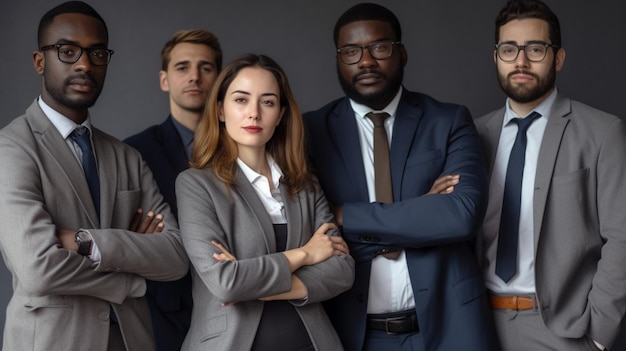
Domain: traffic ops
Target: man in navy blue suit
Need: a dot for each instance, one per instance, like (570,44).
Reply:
(417,284)
(191,61)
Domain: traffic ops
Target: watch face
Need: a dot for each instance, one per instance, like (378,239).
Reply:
(83,235)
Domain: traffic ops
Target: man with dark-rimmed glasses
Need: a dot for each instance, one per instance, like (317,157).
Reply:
(553,241)
(77,247)
(417,284)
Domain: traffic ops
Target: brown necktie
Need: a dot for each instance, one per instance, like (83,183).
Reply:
(382,168)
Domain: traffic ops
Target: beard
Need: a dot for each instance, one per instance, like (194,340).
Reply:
(525,94)
(378,99)
(59,93)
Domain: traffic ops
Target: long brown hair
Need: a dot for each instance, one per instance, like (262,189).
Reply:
(214,148)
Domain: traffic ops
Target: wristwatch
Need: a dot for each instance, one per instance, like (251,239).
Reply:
(84,242)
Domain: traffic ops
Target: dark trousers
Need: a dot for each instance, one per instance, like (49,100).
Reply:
(379,340)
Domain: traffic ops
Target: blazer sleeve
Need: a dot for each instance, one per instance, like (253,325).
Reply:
(156,256)
(30,247)
(200,196)
(429,220)
(607,298)
(331,277)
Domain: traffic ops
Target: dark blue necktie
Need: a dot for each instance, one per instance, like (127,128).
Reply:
(506,261)
(81,137)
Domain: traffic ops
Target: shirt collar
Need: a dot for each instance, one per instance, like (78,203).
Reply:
(362,110)
(253,176)
(186,134)
(543,108)
(64,125)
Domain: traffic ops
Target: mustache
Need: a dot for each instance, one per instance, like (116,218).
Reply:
(358,75)
(521,71)
(84,76)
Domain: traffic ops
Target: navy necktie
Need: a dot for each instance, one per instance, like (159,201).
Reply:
(506,261)
(81,137)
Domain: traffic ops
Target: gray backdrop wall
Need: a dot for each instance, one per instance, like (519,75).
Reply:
(450,46)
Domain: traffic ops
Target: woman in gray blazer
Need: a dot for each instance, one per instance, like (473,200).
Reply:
(256,226)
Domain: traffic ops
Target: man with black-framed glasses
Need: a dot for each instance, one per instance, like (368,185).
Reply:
(78,249)
(377,153)
(69,53)
(553,242)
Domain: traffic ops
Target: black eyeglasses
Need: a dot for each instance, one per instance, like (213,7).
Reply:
(379,50)
(69,53)
(535,52)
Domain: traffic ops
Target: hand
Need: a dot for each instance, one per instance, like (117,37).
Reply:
(151,224)
(225,255)
(68,239)
(444,184)
(321,246)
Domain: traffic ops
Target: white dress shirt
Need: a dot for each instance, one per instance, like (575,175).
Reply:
(390,285)
(272,199)
(523,282)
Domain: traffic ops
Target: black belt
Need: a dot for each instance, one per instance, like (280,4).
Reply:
(394,325)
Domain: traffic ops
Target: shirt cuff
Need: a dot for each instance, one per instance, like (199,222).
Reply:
(94,256)
(598,345)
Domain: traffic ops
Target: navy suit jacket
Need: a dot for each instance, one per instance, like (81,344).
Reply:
(429,139)
(170,302)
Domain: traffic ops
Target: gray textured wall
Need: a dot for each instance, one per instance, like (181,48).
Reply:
(449,44)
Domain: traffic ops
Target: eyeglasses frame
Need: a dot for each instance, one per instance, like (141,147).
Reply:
(368,50)
(82,50)
(523,48)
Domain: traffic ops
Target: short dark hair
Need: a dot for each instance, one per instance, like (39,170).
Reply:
(521,9)
(368,12)
(67,7)
(193,36)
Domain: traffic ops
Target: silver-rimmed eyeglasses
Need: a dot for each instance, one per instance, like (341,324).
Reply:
(379,50)
(535,52)
(70,53)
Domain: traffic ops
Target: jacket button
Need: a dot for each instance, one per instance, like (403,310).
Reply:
(103,315)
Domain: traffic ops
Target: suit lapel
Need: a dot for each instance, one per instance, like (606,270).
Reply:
(548,153)
(68,166)
(108,174)
(408,116)
(344,134)
(294,214)
(490,144)
(257,210)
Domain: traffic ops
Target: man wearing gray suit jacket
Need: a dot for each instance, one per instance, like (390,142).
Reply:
(554,236)
(68,201)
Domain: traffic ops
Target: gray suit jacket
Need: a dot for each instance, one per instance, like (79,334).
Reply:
(236,218)
(61,299)
(579,220)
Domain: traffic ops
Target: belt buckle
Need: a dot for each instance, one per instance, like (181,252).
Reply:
(387,320)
